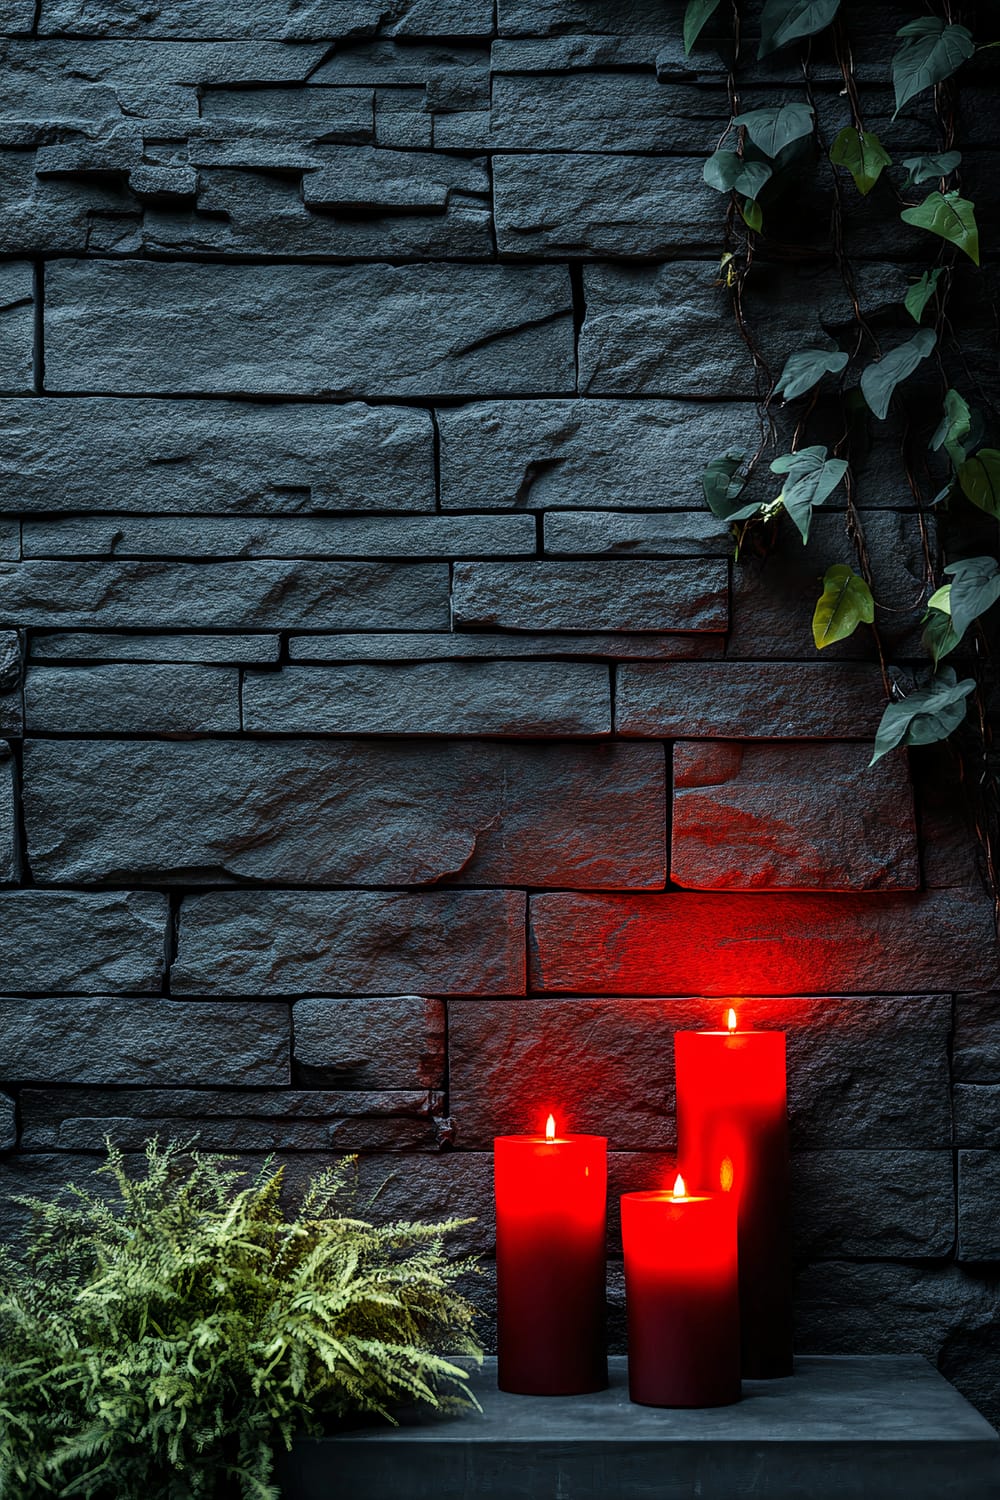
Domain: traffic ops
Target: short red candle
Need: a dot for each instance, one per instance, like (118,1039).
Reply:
(732,1135)
(682,1298)
(551,1202)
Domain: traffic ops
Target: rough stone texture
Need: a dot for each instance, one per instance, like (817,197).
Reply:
(607,533)
(437,698)
(885,1203)
(8,1123)
(10,861)
(218,650)
(346,813)
(71,942)
(10,540)
(507,455)
(286,595)
(628,596)
(179,457)
(280,19)
(868,1072)
(574,204)
(131,698)
(383,1043)
(481,645)
(144,1041)
(11,675)
(771,944)
(17,328)
(944,1313)
(667,329)
(275,1119)
(404,330)
(360,942)
(978,1221)
(977,1037)
(285,536)
(752,816)
(735,700)
(977,1115)
(774,596)
(361,360)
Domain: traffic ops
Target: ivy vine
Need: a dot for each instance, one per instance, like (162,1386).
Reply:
(759,159)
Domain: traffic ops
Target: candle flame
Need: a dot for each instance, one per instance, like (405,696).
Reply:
(727,1174)
(680,1188)
(731,1019)
(550,1128)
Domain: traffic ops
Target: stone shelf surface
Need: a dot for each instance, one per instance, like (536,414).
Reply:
(843,1428)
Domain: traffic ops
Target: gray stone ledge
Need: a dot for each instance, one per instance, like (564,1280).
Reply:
(863,1427)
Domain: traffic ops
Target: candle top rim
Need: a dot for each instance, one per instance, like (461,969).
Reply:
(740,1032)
(550,1140)
(666,1195)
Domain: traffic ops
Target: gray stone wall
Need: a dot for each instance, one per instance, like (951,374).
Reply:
(392,750)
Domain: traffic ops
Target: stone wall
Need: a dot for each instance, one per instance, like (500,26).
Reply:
(395,751)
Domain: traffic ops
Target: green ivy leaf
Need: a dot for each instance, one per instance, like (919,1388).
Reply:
(921,292)
(785,21)
(845,603)
(925,716)
(806,368)
(923,168)
(950,216)
(773,129)
(931,51)
(862,154)
(722,488)
(975,587)
(938,636)
(726,172)
(879,380)
(954,427)
(753,216)
(696,17)
(979,477)
(812,476)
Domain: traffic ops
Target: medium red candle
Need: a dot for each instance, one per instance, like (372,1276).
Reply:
(551,1202)
(682,1298)
(732,1135)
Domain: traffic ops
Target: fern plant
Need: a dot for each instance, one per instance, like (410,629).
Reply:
(163,1340)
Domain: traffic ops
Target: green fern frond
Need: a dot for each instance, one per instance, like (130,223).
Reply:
(165,1333)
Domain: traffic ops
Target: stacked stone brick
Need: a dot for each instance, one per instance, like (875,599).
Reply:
(394,750)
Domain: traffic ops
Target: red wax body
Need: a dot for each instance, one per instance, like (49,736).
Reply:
(682,1299)
(551,1200)
(732,1136)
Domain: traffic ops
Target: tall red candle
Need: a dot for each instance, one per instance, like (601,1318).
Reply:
(682,1298)
(551,1203)
(732,1136)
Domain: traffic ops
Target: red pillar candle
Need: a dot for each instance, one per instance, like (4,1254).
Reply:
(732,1136)
(682,1298)
(551,1202)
